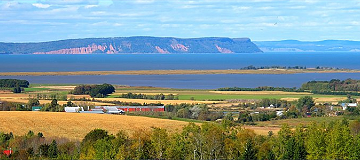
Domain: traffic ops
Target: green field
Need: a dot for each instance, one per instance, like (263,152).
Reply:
(184,94)
(229,96)
(35,89)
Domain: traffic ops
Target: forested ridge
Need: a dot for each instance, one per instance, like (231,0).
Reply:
(141,44)
(333,140)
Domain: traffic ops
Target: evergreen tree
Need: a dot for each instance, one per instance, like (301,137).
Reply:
(250,151)
(53,150)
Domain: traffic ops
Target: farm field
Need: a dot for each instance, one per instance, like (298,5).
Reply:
(210,95)
(184,95)
(75,125)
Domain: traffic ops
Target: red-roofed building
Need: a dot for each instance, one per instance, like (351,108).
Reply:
(7,152)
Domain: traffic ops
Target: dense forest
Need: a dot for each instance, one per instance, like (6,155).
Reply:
(332,85)
(333,140)
(15,85)
(11,83)
(98,91)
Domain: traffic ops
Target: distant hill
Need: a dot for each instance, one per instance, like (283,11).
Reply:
(133,45)
(303,46)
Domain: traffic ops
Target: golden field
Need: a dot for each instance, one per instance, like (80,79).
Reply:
(76,125)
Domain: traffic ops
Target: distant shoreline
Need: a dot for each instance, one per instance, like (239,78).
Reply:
(180,72)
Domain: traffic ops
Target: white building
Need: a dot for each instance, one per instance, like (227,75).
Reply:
(73,109)
(346,105)
(279,113)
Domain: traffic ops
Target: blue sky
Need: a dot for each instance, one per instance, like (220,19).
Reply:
(310,20)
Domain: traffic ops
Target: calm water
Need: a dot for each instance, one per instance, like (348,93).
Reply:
(191,81)
(23,63)
(31,63)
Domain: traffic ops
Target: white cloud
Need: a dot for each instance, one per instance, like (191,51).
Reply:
(69,2)
(40,5)
(144,1)
(181,18)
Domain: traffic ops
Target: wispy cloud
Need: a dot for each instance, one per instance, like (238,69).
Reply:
(33,20)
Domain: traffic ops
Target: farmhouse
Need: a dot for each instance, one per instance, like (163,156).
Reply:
(346,105)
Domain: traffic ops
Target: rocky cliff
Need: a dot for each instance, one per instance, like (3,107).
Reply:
(133,45)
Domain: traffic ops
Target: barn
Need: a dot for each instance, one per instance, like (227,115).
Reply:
(136,108)
(142,108)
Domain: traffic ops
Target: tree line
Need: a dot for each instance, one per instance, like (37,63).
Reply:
(333,85)
(10,83)
(152,97)
(251,67)
(98,91)
(333,140)
(263,88)
(15,85)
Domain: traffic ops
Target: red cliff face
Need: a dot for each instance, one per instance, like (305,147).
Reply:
(179,47)
(160,50)
(223,50)
(111,50)
(83,50)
